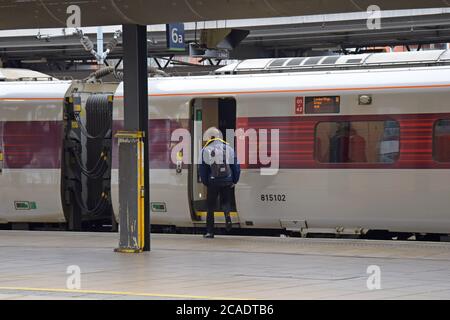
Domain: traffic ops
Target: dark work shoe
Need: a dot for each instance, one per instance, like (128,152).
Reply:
(228,223)
(208,236)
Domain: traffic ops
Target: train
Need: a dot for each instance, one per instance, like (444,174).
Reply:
(362,145)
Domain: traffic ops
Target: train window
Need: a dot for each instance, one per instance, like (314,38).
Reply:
(353,61)
(441,141)
(295,62)
(312,61)
(277,63)
(357,142)
(330,60)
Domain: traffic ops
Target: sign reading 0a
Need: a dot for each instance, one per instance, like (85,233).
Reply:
(175,36)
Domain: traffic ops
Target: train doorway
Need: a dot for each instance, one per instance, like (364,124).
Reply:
(207,113)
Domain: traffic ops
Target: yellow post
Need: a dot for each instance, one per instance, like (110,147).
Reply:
(132,205)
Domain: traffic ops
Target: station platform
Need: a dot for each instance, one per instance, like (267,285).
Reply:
(33,265)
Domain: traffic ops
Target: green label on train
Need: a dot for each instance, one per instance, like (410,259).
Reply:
(25,205)
(158,207)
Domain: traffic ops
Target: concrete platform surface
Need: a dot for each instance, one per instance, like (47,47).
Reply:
(34,265)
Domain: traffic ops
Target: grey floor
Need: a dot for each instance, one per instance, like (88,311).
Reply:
(33,265)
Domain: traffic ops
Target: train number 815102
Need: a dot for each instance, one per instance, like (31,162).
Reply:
(273,197)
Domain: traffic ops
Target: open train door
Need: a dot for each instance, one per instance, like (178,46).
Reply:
(207,113)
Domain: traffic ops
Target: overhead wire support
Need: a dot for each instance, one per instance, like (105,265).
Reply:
(88,45)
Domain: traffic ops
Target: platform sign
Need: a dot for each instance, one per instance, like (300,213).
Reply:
(175,36)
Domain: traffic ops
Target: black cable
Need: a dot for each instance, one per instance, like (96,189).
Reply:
(103,134)
(98,102)
(98,208)
(101,164)
(97,175)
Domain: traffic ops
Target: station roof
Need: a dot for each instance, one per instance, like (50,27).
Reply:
(269,37)
(20,14)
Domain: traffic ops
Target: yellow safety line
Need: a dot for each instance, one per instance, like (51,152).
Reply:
(121,293)
(217,214)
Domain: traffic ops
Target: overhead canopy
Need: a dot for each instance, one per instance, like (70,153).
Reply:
(24,14)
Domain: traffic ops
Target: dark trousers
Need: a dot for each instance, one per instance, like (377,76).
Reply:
(214,192)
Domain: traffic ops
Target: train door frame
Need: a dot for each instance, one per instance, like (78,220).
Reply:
(227,119)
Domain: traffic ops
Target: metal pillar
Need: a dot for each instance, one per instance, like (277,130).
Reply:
(100,43)
(135,124)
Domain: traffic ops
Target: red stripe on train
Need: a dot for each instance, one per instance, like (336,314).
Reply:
(37,144)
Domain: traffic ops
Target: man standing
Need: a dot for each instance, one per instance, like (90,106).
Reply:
(219,172)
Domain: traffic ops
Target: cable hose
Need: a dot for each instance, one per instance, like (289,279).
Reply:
(98,211)
(98,208)
(87,43)
(97,175)
(101,73)
(118,75)
(103,156)
(100,103)
(85,132)
(111,45)
(99,165)
(96,167)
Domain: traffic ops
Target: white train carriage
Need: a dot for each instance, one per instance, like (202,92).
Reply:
(30,146)
(364,143)
(392,178)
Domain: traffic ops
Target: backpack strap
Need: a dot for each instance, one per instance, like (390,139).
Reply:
(215,139)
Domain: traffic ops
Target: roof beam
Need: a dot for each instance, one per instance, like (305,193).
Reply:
(16,14)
